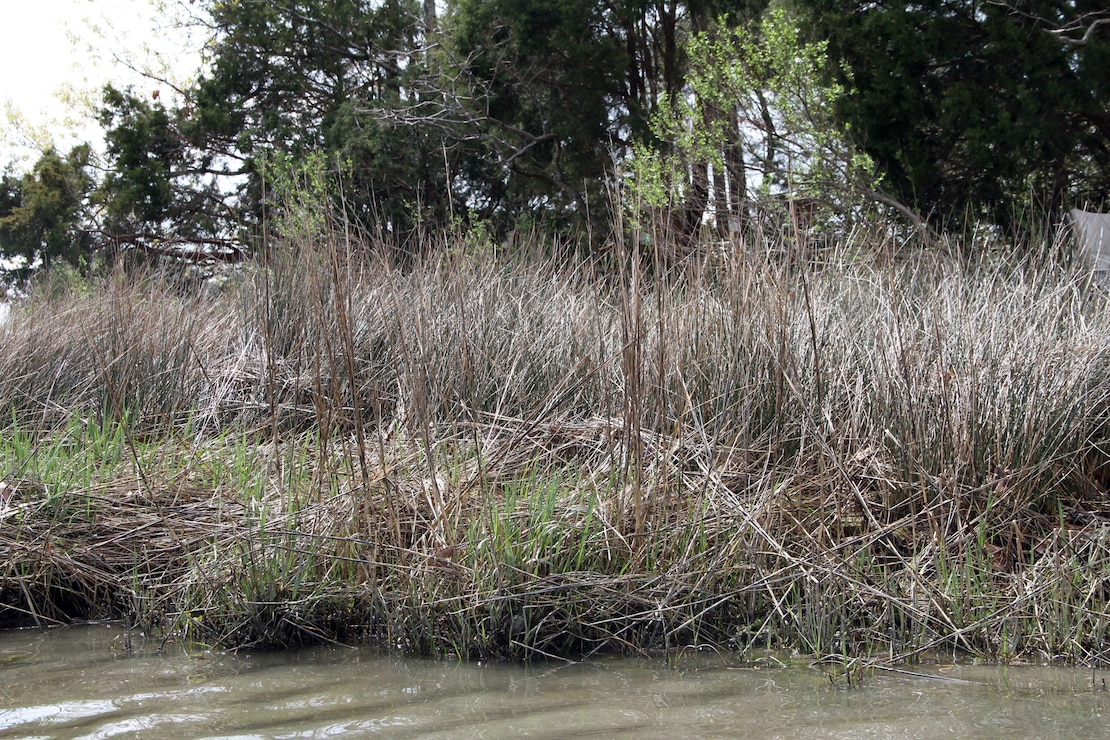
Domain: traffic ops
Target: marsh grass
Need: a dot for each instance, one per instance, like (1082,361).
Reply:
(861,455)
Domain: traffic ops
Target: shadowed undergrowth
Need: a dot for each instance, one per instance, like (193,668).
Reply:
(492,456)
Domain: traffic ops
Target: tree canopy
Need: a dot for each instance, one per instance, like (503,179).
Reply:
(976,107)
(522,114)
(42,213)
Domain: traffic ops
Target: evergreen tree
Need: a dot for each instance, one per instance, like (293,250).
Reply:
(44,214)
(289,79)
(975,107)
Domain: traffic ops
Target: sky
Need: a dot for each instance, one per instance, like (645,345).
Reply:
(55,56)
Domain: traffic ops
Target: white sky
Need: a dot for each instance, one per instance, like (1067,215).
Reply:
(56,55)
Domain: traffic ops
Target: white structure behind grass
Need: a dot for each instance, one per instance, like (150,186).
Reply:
(1092,234)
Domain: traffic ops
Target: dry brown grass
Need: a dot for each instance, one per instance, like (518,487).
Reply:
(485,455)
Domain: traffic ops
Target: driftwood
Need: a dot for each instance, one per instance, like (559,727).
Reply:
(193,249)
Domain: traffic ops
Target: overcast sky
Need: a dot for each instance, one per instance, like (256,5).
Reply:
(55,55)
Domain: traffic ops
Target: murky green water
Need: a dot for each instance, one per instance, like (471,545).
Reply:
(70,683)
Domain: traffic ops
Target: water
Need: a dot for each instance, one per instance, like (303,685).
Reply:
(77,683)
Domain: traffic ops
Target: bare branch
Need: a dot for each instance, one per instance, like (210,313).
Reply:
(1084,24)
(1062,33)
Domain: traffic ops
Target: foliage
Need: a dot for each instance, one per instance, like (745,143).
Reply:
(970,107)
(763,82)
(160,187)
(300,191)
(43,214)
(519,115)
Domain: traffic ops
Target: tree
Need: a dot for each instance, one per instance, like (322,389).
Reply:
(972,106)
(299,78)
(758,98)
(509,111)
(43,213)
(551,97)
(285,78)
(161,194)
(542,95)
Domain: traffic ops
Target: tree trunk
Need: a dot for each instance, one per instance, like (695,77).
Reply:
(429,19)
(737,177)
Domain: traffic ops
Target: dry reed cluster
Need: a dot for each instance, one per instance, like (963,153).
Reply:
(492,455)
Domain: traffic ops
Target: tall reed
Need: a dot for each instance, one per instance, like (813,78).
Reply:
(490,452)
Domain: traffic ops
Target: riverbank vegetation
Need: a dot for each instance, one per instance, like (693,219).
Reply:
(519,330)
(492,453)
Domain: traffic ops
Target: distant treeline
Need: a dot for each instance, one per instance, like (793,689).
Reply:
(539,114)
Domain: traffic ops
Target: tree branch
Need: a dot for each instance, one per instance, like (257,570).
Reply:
(1061,33)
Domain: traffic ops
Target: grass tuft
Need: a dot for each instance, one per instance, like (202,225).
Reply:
(864,457)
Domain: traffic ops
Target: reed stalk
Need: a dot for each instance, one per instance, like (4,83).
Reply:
(488,453)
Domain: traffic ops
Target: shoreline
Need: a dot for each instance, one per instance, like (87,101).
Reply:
(509,458)
(538,567)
